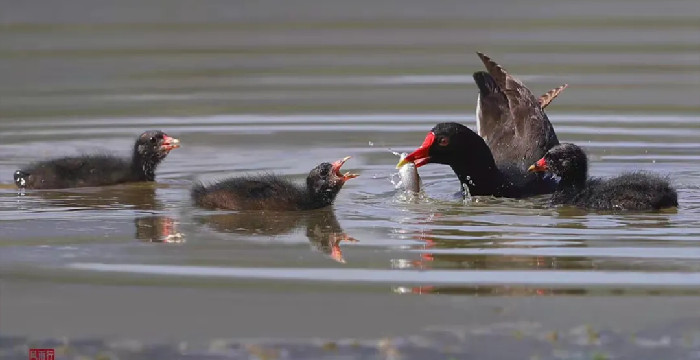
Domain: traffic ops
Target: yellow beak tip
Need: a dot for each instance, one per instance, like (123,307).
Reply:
(532,168)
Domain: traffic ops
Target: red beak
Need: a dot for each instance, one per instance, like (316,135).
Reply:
(539,166)
(169,143)
(421,155)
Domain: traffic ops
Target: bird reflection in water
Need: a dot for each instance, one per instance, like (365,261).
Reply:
(139,196)
(428,260)
(158,229)
(321,226)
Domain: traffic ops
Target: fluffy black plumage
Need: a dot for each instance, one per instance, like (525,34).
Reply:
(150,149)
(271,192)
(629,191)
(466,152)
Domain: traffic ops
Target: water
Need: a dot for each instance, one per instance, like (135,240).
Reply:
(254,88)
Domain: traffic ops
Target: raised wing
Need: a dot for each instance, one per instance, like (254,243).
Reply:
(492,113)
(528,133)
(496,71)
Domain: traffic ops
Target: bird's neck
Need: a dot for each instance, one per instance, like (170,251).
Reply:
(144,168)
(484,179)
(575,180)
(569,188)
(317,199)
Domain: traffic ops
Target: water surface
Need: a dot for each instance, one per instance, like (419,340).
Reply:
(254,89)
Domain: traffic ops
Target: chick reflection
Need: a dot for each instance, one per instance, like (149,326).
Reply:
(137,196)
(322,227)
(158,229)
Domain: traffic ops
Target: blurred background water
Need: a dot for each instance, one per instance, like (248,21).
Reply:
(253,86)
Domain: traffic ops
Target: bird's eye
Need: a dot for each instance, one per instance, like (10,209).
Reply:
(153,140)
(324,172)
(443,141)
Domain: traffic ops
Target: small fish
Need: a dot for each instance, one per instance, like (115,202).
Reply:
(410,180)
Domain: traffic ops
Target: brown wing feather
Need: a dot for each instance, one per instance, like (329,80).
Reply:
(496,71)
(550,95)
(522,103)
(530,133)
(520,100)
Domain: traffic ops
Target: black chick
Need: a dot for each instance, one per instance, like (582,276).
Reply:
(271,192)
(150,149)
(629,191)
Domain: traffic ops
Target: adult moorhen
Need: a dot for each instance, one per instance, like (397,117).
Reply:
(470,157)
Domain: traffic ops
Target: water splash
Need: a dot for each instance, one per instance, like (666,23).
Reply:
(466,196)
(395,152)
(470,181)
(407,181)
(395,179)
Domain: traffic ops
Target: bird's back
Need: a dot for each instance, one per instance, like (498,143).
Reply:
(263,192)
(77,171)
(629,191)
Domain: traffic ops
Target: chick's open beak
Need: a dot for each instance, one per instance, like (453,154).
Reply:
(336,169)
(539,166)
(169,143)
